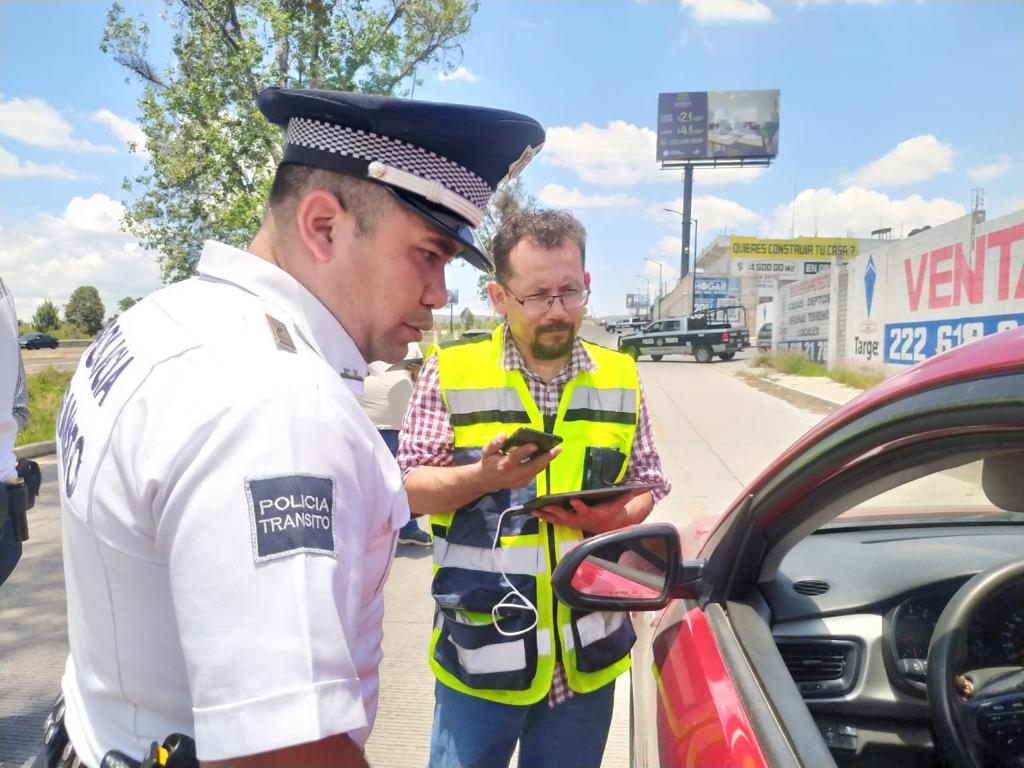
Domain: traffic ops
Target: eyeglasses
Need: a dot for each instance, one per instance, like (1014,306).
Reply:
(541,303)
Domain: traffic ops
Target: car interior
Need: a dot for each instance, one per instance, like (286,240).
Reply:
(858,567)
(867,597)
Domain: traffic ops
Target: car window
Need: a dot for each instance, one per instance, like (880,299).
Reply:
(969,491)
(654,328)
(672,325)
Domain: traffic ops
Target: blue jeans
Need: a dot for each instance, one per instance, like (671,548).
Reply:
(391,441)
(475,733)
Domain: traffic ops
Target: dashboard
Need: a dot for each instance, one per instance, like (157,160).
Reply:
(852,612)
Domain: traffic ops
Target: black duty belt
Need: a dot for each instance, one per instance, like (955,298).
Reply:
(178,750)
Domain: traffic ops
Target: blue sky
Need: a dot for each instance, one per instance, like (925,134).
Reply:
(891,113)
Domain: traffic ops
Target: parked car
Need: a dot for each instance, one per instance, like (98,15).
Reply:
(860,603)
(37,341)
(764,337)
(694,335)
(627,324)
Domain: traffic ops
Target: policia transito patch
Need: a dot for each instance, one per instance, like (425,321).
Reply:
(291,514)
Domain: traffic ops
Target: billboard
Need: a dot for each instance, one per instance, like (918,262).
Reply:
(453,296)
(803,317)
(911,299)
(716,125)
(794,259)
(636,301)
(713,292)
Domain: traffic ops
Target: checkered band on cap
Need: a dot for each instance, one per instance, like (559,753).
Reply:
(342,140)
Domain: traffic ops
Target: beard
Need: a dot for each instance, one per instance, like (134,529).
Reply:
(552,351)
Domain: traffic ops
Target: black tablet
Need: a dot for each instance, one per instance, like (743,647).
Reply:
(592,496)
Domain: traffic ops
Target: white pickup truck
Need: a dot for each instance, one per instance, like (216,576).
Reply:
(626,324)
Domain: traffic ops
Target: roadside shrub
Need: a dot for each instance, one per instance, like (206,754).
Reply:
(45,391)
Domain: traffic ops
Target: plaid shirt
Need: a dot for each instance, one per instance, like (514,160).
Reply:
(427,437)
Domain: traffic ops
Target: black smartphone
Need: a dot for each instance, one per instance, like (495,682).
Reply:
(544,441)
(592,496)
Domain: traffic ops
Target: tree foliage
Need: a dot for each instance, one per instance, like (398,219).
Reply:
(211,153)
(128,302)
(85,309)
(466,316)
(510,198)
(46,317)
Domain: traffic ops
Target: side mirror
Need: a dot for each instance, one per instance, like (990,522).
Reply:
(635,569)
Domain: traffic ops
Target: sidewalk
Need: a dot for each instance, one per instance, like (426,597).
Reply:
(818,393)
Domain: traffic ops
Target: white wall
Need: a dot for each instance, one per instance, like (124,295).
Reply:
(935,290)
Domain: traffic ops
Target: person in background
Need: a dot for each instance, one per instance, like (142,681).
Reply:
(386,393)
(512,663)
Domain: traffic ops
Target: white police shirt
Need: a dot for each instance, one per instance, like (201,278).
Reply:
(230,515)
(10,370)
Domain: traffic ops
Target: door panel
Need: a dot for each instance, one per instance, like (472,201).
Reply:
(686,709)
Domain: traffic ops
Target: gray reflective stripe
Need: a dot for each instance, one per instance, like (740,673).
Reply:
(598,625)
(592,627)
(543,642)
(503,399)
(594,404)
(497,657)
(519,560)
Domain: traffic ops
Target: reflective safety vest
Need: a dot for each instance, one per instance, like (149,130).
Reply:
(597,419)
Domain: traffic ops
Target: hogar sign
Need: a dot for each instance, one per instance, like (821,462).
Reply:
(953,296)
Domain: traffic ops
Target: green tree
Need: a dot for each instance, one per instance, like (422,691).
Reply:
(466,316)
(85,309)
(510,198)
(211,154)
(128,302)
(46,317)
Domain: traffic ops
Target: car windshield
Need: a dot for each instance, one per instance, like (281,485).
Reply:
(969,493)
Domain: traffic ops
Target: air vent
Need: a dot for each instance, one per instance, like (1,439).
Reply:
(811,587)
(814,662)
(820,667)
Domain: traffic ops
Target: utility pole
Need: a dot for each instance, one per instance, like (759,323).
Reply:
(661,284)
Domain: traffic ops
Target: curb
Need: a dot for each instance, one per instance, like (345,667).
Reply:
(35,450)
(792,395)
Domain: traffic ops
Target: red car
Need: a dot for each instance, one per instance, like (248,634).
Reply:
(861,603)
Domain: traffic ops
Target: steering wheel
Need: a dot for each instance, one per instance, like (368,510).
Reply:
(983,727)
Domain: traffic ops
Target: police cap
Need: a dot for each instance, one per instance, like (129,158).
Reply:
(441,161)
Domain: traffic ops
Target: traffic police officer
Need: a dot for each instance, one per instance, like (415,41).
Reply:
(14,493)
(229,511)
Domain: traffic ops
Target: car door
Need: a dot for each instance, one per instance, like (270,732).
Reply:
(650,338)
(671,340)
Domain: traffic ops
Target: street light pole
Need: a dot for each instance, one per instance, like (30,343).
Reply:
(647,280)
(661,284)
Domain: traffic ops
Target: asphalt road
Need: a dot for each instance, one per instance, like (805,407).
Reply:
(714,433)
(63,358)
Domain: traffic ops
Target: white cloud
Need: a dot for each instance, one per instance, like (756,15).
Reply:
(36,123)
(913,160)
(725,11)
(668,248)
(713,214)
(623,154)
(12,166)
(805,3)
(127,131)
(990,171)
(49,256)
(457,74)
(557,196)
(855,212)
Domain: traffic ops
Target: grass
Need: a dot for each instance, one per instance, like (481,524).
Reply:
(45,391)
(796,364)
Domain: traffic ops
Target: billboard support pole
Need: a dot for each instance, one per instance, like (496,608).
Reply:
(684,265)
